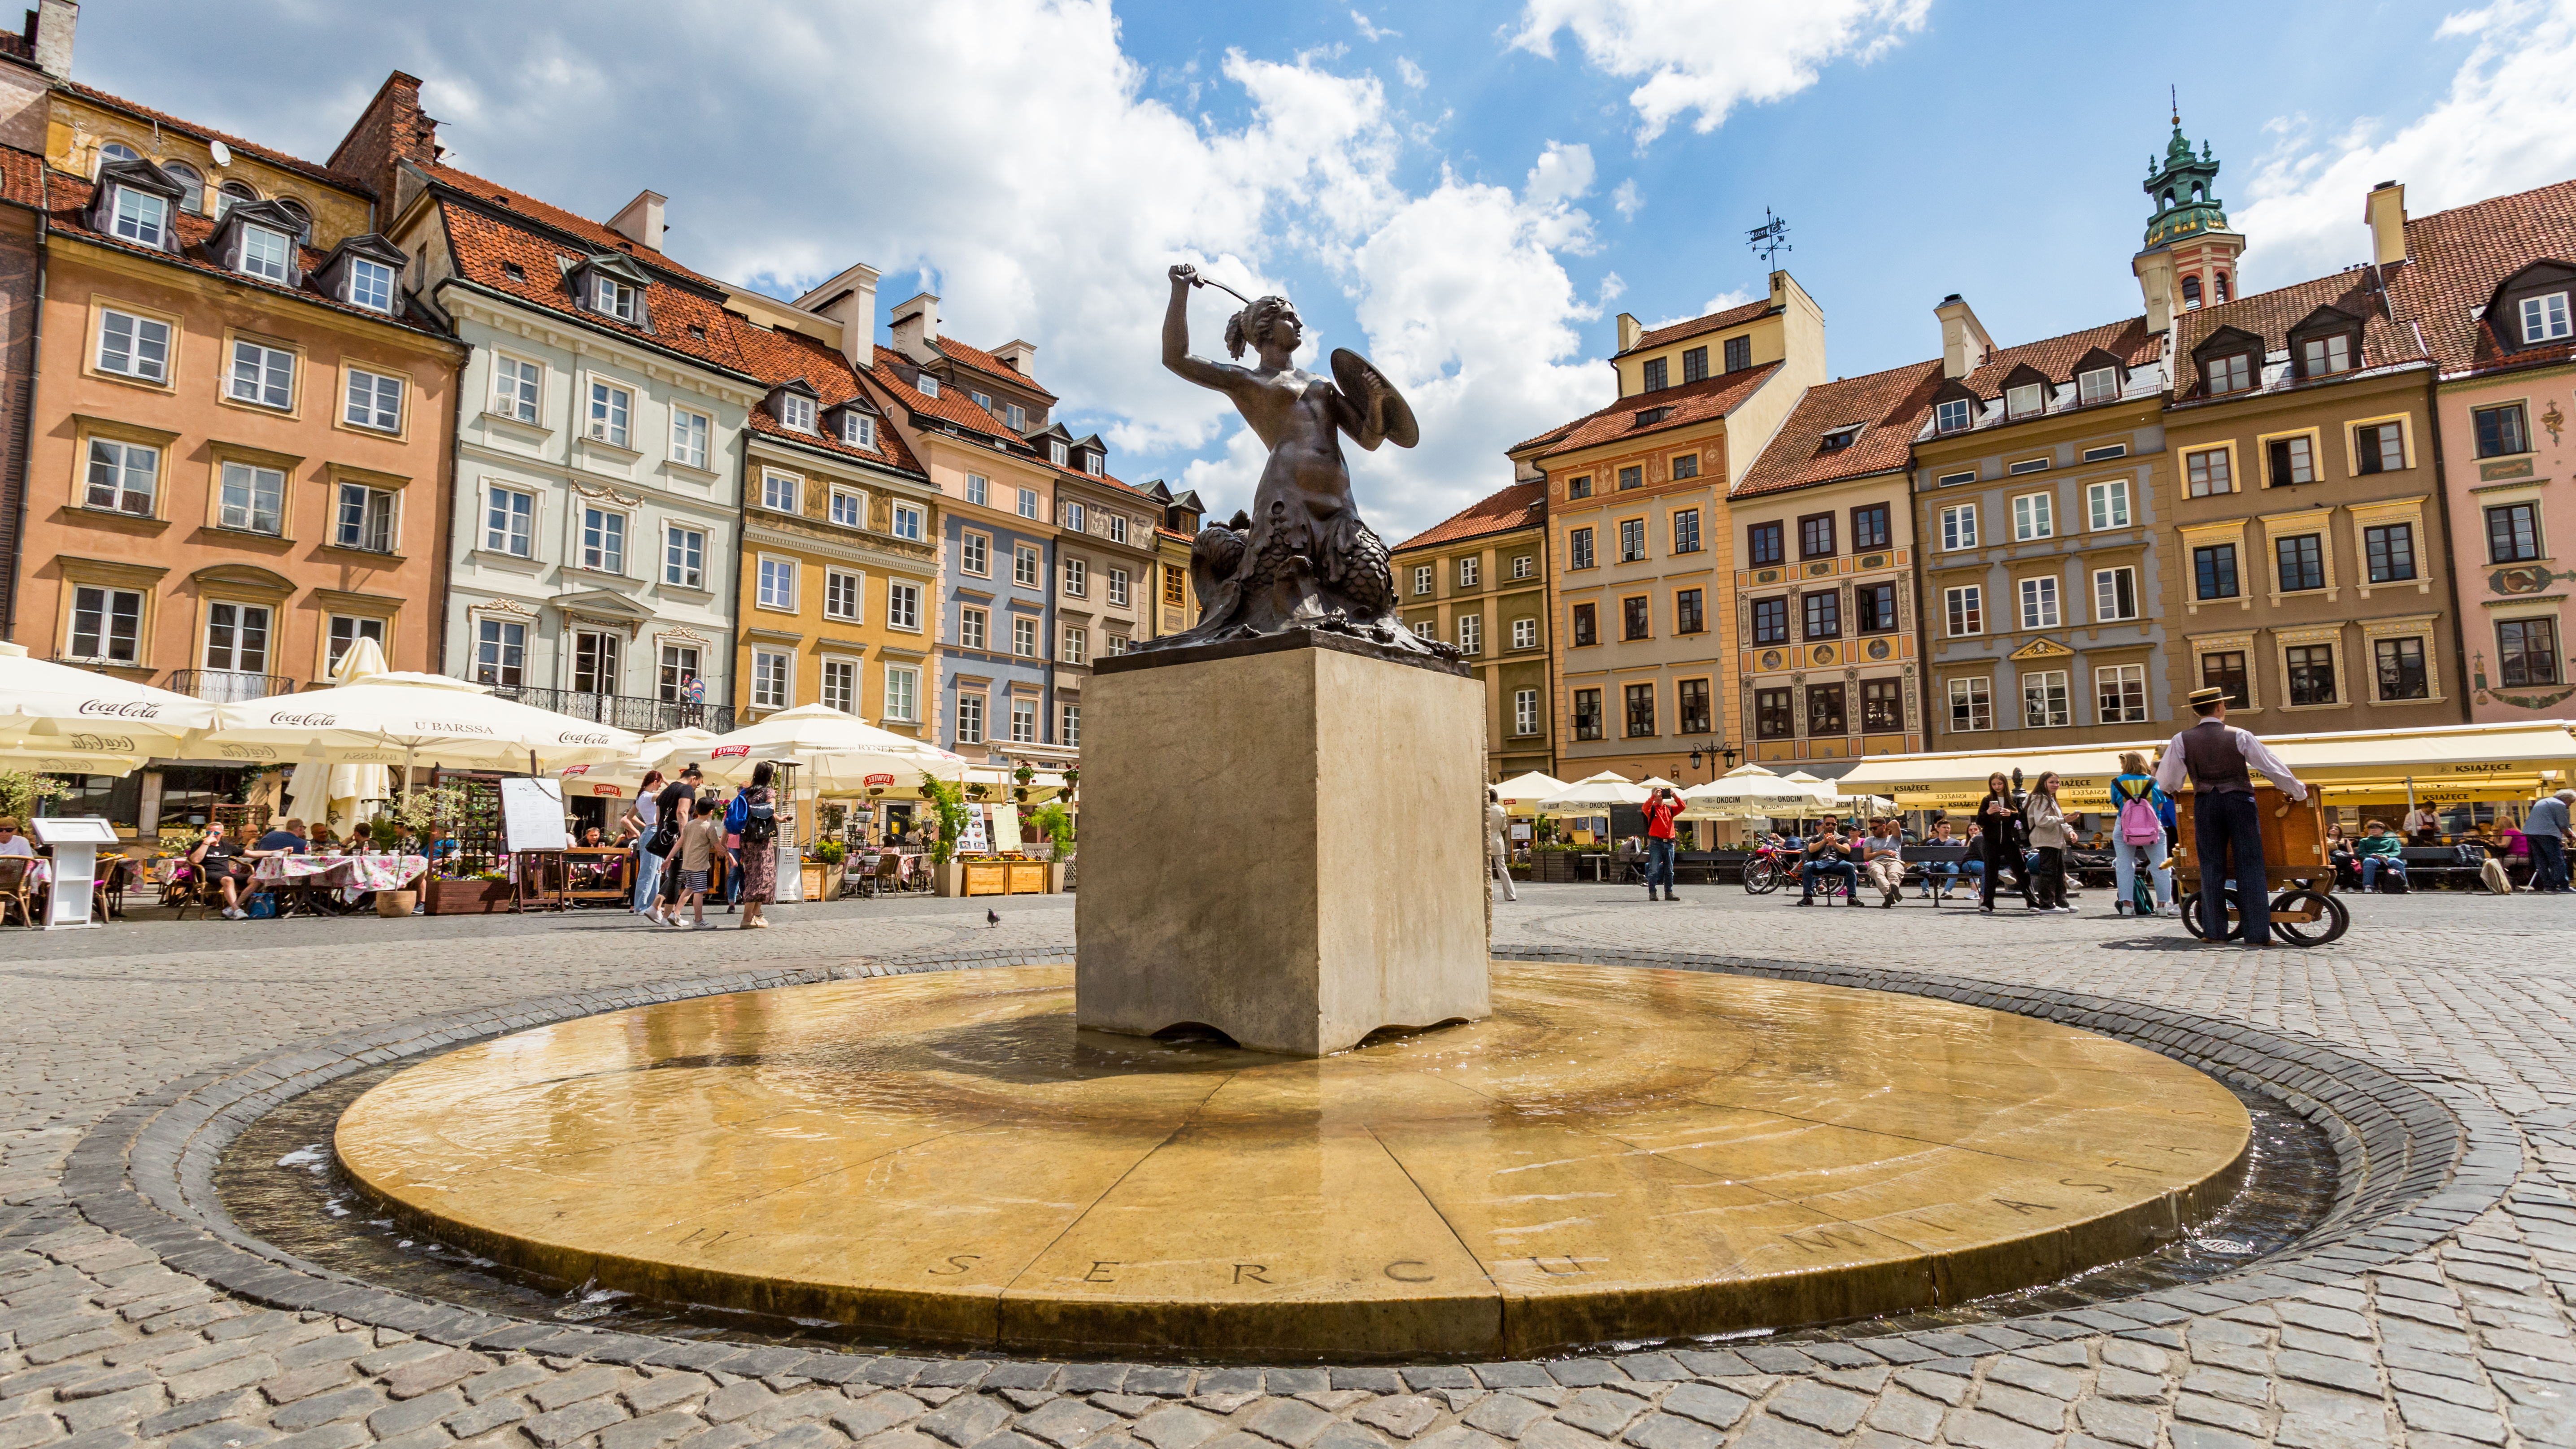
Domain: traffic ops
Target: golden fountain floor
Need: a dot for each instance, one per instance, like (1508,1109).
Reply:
(1618,1154)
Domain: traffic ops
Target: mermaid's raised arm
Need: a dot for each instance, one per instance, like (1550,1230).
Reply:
(1176,339)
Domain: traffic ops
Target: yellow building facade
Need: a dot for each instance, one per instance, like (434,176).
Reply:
(1479,580)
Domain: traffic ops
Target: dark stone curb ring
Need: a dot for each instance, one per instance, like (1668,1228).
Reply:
(2416,1160)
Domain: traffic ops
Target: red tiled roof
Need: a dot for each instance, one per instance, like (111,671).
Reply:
(590,234)
(1888,405)
(893,372)
(2128,340)
(1550,436)
(2456,259)
(1713,322)
(2385,341)
(684,320)
(67,211)
(985,362)
(22,178)
(203,133)
(779,356)
(1692,402)
(1518,506)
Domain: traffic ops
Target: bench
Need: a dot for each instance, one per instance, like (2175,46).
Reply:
(1916,857)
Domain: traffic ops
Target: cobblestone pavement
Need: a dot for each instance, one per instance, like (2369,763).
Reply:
(2468,1341)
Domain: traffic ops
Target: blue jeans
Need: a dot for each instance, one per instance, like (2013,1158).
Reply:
(648,876)
(1659,864)
(1844,868)
(1946,872)
(2548,862)
(2126,860)
(2228,838)
(2372,864)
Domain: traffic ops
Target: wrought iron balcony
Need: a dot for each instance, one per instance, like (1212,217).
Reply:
(625,711)
(227,686)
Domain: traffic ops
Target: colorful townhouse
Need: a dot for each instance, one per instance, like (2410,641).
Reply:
(239,462)
(1641,546)
(1478,579)
(840,566)
(2488,285)
(595,537)
(1176,528)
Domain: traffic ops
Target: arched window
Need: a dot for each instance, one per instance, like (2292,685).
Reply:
(303,218)
(2168,196)
(2191,294)
(231,194)
(116,151)
(192,186)
(2218,286)
(2195,193)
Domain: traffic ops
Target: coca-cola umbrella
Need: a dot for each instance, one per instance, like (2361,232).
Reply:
(412,719)
(56,712)
(835,752)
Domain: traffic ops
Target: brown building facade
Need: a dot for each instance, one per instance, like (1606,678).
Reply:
(1478,579)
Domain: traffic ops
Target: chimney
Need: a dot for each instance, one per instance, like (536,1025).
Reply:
(1630,331)
(1964,343)
(916,327)
(1022,357)
(851,300)
(2386,212)
(640,221)
(389,132)
(56,20)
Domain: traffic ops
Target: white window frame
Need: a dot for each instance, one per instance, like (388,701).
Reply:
(844,594)
(1028,568)
(1975,695)
(612,298)
(2106,595)
(1024,637)
(1068,727)
(974,627)
(1076,517)
(970,707)
(2034,516)
(2041,608)
(518,388)
(1953,415)
(2046,703)
(845,695)
(120,458)
(1057,453)
(611,413)
(1523,565)
(1963,609)
(858,430)
(902,694)
(1470,569)
(978,489)
(903,606)
(521,523)
(1471,633)
(773,679)
(849,508)
(2097,385)
(1524,712)
(334,645)
(247,479)
(779,491)
(775,586)
(2544,318)
(369,280)
(146,350)
(975,554)
(2106,503)
(1028,503)
(1959,527)
(2131,682)
(1077,578)
(598,556)
(796,412)
(684,556)
(1117,528)
(1073,644)
(140,217)
(267,254)
(1422,576)
(690,430)
(379,526)
(1525,633)
(2028,400)
(362,405)
(105,637)
(1024,720)
(271,383)
(908,522)
(1118,587)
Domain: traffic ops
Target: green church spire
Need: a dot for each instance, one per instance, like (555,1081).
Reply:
(2184,188)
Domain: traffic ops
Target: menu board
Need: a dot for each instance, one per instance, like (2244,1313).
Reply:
(532,815)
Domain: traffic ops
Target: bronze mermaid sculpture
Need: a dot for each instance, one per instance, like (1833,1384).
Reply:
(1301,559)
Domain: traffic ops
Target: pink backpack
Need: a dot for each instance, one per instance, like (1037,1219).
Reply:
(2138,822)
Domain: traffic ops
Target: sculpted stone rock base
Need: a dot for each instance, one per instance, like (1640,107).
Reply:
(1282,841)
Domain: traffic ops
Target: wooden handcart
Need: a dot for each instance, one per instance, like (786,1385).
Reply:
(2296,872)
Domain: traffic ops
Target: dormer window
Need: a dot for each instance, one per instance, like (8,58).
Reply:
(612,298)
(264,253)
(1652,416)
(858,430)
(1841,438)
(2232,373)
(1091,464)
(1057,454)
(796,412)
(142,218)
(1953,415)
(983,400)
(929,385)
(2324,356)
(2099,385)
(2028,400)
(2544,319)
(371,285)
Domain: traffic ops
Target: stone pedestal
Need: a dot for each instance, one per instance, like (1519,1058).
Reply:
(1282,838)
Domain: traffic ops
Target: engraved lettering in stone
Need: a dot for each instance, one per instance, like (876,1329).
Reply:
(721,1235)
(2026,1208)
(1571,1268)
(1827,1239)
(1251,1271)
(2087,1186)
(1409,1270)
(1098,1275)
(959,1263)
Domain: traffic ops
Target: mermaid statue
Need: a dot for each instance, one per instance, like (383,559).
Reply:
(1301,559)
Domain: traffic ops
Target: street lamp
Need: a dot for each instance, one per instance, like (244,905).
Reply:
(1713,750)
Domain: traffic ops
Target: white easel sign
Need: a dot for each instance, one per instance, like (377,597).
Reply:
(75,840)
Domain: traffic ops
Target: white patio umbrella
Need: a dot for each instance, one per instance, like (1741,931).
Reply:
(1521,794)
(55,710)
(408,719)
(331,794)
(836,751)
(1594,795)
(665,752)
(1743,793)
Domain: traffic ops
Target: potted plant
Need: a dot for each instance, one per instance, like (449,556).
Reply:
(948,806)
(830,854)
(1056,823)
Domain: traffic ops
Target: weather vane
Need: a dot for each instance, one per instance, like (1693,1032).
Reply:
(1770,238)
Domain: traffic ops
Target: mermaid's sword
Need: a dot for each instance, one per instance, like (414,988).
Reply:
(1199,281)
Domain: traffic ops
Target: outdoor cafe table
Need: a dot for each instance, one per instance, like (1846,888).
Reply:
(303,873)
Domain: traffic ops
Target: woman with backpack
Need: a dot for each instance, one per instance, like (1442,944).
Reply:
(754,819)
(2138,835)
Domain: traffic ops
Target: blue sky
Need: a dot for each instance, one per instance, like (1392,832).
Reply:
(1469,193)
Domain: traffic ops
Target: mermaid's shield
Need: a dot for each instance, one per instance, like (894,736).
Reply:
(1384,414)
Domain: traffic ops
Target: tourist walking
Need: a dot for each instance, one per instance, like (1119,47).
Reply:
(1999,825)
(1826,855)
(1661,809)
(1885,862)
(754,820)
(641,814)
(2227,834)
(2547,828)
(2049,839)
(1498,848)
(676,803)
(2138,835)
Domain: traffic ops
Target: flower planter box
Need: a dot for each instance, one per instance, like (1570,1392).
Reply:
(467,897)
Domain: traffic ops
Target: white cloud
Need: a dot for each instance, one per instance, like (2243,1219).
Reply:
(1412,74)
(1709,56)
(2507,123)
(1368,31)
(1628,200)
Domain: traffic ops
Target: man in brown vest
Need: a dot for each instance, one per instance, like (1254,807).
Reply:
(2227,833)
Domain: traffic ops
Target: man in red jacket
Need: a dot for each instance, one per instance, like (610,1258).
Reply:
(1661,808)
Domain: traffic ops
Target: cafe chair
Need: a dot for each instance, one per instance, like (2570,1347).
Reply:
(13,890)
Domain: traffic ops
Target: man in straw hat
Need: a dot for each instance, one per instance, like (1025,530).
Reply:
(2227,834)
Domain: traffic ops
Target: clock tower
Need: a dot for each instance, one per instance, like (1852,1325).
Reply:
(2189,260)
